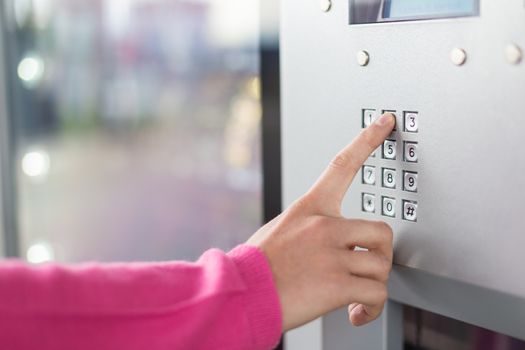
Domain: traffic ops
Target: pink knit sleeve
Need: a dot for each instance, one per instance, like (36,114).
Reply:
(223,301)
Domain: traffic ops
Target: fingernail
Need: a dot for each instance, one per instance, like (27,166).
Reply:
(385,119)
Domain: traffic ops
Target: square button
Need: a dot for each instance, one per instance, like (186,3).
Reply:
(411,122)
(369,175)
(369,116)
(389,207)
(410,211)
(389,149)
(410,181)
(389,178)
(410,152)
(369,203)
(394,113)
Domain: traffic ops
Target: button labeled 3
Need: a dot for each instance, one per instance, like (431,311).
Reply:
(369,175)
(389,207)
(389,178)
(389,149)
(411,122)
(369,203)
(410,211)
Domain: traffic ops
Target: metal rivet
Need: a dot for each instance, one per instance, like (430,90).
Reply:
(458,56)
(514,54)
(363,58)
(326,5)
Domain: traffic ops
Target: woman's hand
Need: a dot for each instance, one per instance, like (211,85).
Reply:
(310,246)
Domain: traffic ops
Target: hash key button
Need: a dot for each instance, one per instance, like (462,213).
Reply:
(410,211)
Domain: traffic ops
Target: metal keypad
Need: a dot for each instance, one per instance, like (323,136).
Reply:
(390,176)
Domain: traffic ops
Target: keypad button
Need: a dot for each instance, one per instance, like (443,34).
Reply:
(410,181)
(389,207)
(394,113)
(369,175)
(369,203)
(411,122)
(410,211)
(369,116)
(389,149)
(410,153)
(389,178)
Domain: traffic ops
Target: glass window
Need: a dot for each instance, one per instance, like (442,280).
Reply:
(137,126)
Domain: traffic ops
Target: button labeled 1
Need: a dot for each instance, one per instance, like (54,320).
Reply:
(369,116)
(410,211)
(389,149)
(389,207)
(369,203)
(410,152)
(389,178)
(410,181)
(411,122)
(369,175)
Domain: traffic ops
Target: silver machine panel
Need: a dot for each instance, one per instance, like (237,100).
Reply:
(451,179)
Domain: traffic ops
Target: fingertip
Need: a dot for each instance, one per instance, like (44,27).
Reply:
(358,316)
(387,119)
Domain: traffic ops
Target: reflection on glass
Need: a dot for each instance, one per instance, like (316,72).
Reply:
(137,126)
(424,330)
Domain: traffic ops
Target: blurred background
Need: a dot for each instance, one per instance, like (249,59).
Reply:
(135,126)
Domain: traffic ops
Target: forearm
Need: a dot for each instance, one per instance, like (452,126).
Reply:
(223,301)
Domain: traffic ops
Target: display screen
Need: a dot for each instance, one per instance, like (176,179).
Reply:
(377,11)
(429,8)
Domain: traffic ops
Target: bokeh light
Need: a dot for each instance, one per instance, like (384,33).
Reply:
(40,252)
(31,70)
(36,164)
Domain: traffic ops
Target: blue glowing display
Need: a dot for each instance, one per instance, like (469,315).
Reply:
(413,9)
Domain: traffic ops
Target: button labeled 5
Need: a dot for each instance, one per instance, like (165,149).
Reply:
(389,149)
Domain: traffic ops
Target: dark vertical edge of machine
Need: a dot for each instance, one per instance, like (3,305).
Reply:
(271,122)
(7,148)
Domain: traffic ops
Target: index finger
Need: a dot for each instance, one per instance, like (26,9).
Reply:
(331,187)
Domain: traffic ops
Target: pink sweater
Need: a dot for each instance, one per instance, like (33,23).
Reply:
(223,301)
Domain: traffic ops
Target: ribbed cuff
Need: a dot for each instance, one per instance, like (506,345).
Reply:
(261,300)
